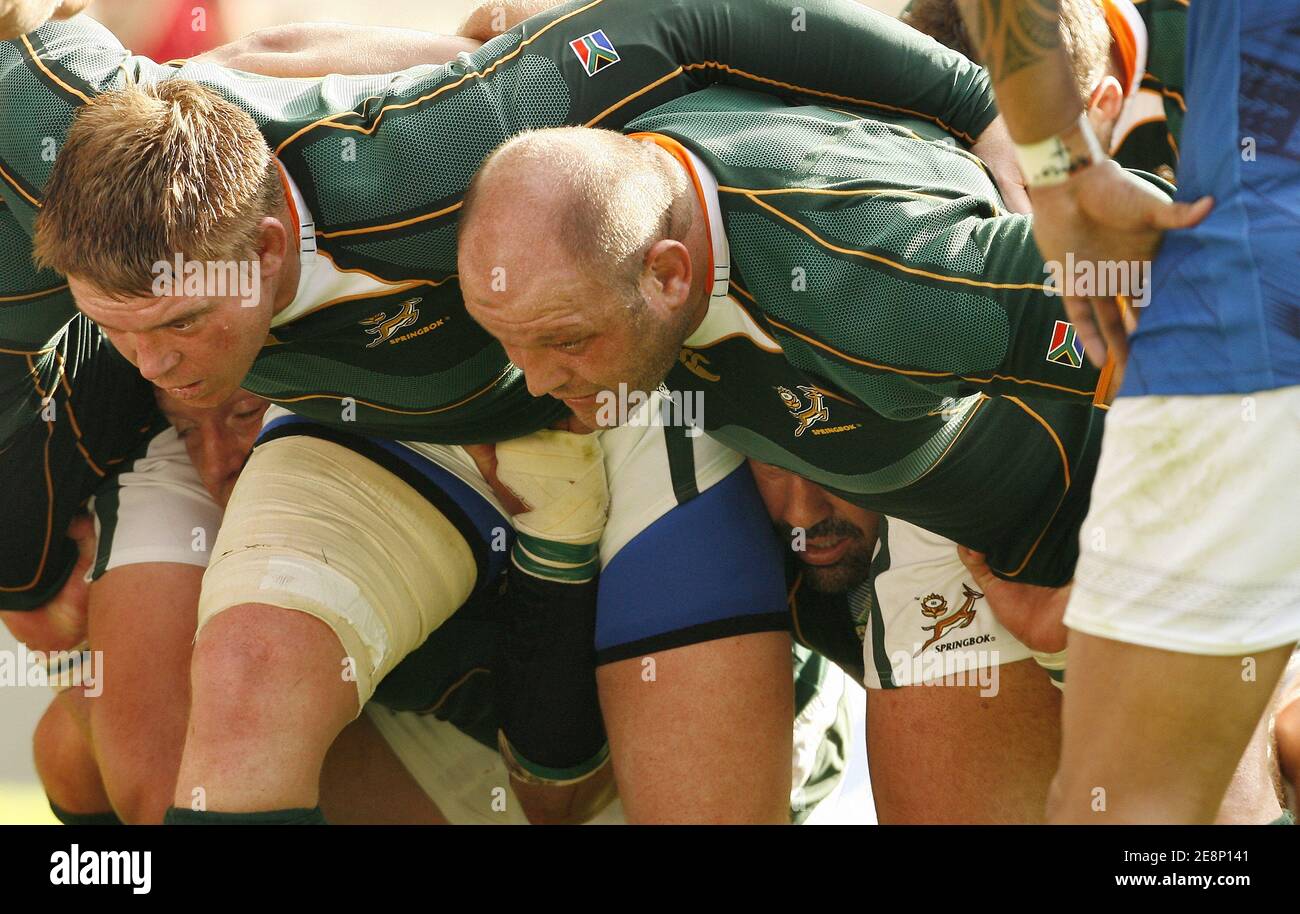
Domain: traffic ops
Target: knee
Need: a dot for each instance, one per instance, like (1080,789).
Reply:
(65,761)
(252,657)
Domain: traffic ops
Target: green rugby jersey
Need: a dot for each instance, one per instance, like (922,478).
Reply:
(72,411)
(382,163)
(887,332)
(1147,133)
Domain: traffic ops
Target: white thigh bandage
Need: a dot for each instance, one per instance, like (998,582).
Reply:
(315,527)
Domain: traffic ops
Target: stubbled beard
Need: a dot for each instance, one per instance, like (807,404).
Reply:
(853,568)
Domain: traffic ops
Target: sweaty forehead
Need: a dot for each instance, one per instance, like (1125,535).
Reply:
(95,302)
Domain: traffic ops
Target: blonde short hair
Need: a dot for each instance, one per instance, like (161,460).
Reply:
(149,172)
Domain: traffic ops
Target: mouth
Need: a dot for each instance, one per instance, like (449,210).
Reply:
(187,392)
(826,551)
(579,403)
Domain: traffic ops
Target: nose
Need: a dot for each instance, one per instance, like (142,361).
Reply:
(154,360)
(541,374)
(220,459)
(805,503)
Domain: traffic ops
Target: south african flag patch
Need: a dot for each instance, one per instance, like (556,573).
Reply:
(595,51)
(1066,348)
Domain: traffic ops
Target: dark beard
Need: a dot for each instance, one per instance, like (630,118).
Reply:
(851,570)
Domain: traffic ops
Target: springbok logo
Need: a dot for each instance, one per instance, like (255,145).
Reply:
(696,364)
(935,605)
(383,328)
(809,415)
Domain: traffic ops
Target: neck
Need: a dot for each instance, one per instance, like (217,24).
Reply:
(286,287)
(700,248)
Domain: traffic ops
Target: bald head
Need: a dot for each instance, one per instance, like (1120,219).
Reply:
(578,252)
(594,197)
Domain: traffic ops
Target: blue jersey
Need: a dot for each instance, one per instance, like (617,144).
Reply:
(1225,309)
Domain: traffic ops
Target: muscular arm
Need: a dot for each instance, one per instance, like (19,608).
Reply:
(308,49)
(1020,43)
(493,17)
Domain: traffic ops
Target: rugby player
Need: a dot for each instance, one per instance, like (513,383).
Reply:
(391,764)
(751,353)
(1000,750)
(396,249)
(80,429)
(1185,612)
(932,655)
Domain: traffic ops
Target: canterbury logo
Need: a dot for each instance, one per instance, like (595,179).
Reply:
(935,605)
(383,328)
(695,364)
(809,415)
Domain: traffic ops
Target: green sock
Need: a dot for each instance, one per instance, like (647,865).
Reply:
(176,816)
(85,818)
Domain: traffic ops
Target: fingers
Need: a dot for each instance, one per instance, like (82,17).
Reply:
(1080,313)
(976,563)
(1014,194)
(1110,323)
(1182,215)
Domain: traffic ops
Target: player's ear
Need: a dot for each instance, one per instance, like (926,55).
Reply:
(272,246)
(666,278)
(1107,99)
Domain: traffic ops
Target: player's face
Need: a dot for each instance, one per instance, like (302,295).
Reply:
(838,538)
(197,350)
(572,338)
(218,440)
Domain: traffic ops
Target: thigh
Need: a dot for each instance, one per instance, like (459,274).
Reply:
(364,782)
(965,754)
(703,733)
(1154,736)
(142,620)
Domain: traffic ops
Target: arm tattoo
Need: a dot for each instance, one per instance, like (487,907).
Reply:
(1011,35)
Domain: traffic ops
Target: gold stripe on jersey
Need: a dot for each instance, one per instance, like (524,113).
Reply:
(49,520)
(866,255)
(331,122)
(12,182)
(1060,448)
(414,220)
(393,410)
(804,90)
(46,70)
(1065,466)
(30,296)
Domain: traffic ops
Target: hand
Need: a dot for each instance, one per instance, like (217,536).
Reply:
(995,148)
(1033,615)
(60,625)
(1106,214)
(18,17)
(560,476)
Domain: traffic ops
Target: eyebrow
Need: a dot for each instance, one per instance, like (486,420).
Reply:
(197,311)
